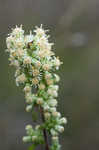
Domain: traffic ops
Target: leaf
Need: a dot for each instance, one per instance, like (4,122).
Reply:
(32,147)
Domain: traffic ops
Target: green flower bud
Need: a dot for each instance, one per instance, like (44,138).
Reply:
(27,88)
(59,128)
(28,127)
(63,120)
(47,115)
(29,108)
(56,114)
(55,138)
(53,132)
(34,138)
(57,78)
(52,102)
(39,101)
(26,139)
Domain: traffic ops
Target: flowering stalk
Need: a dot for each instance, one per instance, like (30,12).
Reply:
(35,65)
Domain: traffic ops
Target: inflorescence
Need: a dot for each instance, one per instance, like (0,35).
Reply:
(35,64)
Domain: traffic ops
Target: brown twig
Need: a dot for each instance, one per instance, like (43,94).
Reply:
(44,131)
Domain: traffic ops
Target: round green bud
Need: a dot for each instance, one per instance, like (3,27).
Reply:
(28,127)
(34,138)
(26,139)
(29,108)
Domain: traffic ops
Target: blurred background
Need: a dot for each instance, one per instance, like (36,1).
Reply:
(74,27)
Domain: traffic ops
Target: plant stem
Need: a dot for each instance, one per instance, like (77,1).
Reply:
(44,131)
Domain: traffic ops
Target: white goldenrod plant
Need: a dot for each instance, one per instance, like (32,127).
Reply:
(35,64)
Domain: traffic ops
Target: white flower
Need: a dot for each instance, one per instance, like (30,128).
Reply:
(59,128)
(15,63)
(28,127)
(54,87)
(26,139)
(53,132)
(29,108)
(9,40)
(57,62)
(38,64)
(55,138)
(41,86)
(56,114)
(20,52)
(37,127)
(46,67)
(35,81)
(29,98)
(52,92)
(29,38)
(52,109)
(34,138)
(57,78)
(39,101)
(17,73)
(63,120)
(19,43)
(49,81)
(39,31)
(27,88)
(48,75)
(46,107)
(21,79)
(52,102)
(36,72)
(47,115)
(27,60)
(55,94)
(18,31)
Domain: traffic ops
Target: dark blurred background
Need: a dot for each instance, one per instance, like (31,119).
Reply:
(74,27)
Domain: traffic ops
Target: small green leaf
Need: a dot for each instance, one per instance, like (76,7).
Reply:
(32,147)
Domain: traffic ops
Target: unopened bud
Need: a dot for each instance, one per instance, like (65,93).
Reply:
(60,129)
(55,138)
(26,139)
(29,108)
(28,127)
(34,138)
(56,114)
(47,115)
(63,120)
(39,101)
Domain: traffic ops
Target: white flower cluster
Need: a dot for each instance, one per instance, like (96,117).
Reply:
(36,64)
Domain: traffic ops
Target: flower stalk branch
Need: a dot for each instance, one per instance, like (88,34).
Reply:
(44,130)
(35,65)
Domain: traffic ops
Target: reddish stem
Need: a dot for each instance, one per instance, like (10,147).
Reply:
(44,131)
